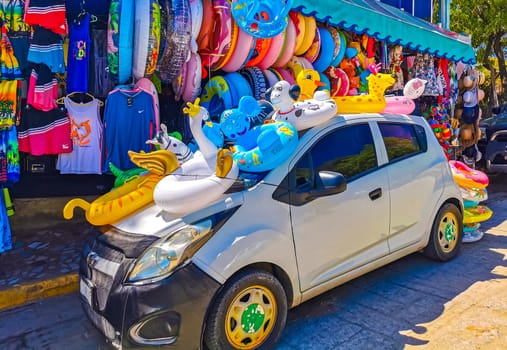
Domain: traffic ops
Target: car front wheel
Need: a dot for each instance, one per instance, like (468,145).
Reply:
(446,234)
(249,313)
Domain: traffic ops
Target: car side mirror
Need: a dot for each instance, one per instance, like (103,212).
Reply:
(328,183)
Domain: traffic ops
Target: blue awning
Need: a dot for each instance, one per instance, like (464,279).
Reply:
(390,24)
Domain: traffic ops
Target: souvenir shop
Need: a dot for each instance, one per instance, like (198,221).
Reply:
(85,81)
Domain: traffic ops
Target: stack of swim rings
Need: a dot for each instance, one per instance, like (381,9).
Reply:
(472,184)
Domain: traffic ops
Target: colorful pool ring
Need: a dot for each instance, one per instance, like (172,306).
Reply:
(117,203)
(313,51)
(207,25)
(471,227)
(265,146)
(274,51)
(261,18)
(241,52)
(120,34)
(146,38)
(299,24)
(271,76)
(296,64)
(467,177)
(219,36)
(239,87)
(474,194)
(475,214)
(261,49)
(289,45)
(231,46)
(399,104)
(216,96)
(470,204)
(308,36)
(257,81)
(326,50)
(193,77)
(340,45)
(286,75)
(177,43)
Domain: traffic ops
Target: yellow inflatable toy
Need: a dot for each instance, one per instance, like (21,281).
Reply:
(476,214)
(129,197)
(373,102)
(308,81)
(310,28)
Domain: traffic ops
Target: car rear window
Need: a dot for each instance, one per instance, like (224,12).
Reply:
(403,140)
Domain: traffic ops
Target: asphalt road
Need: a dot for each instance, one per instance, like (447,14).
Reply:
(413,303)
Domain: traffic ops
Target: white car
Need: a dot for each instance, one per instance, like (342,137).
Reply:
(359,192)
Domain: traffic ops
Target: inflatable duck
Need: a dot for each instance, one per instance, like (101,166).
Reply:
(308,81)
(203,178)
(304,114)
(374,101)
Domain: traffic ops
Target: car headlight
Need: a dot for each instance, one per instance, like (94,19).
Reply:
(161,258)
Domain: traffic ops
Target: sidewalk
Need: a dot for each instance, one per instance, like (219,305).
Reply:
(44,261)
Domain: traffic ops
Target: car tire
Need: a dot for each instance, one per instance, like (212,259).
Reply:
(446,234)
(248,313)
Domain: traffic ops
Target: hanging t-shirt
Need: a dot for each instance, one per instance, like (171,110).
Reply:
(86,132)
(8,102)
(78,58)
(41,133)
(129,121)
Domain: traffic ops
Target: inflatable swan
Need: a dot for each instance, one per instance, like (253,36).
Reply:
(200,180)
(304,114)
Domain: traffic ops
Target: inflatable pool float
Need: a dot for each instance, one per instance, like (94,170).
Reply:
(467,177)
(373,102)
(274,51)
(146,38)
(414,88)
(218,39)
(476,214)
(261,49)
(472,236)
(265,146)
(216,96)
(339,81)
(120,38)
(236,122)
(117,203)
(202,179)
(196,19)
(193,77)
(340,45)
(256,80)
(239,87)
(310,28)
(297,64)
(471,227)
(241,53)
(308,81)
(272,77)
(313,51)
(289,45)
(299,24)
(284,74)
(177,35)
(326,53)
(398,104)
(261,18)
(304,114)
(474,194)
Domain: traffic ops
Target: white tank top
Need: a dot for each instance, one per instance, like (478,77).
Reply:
(86,134)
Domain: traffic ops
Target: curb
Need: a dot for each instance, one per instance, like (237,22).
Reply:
(25,293)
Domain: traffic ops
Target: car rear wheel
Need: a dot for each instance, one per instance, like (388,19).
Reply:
(249,313)
(446,234)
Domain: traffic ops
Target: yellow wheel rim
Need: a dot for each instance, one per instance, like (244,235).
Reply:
(250,317)
(448,232)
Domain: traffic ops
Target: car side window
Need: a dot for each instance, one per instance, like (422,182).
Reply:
(403,140)
(348,150)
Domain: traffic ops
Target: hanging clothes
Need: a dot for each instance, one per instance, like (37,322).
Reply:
(47,47)
(9,66)
(86,134)
(5,227)
(78,58)
(50,14)
(9,148)
(129,121)
(42,88)
(8,102)
(424,68)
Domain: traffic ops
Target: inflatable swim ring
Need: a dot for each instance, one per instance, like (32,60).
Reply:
(117,203)
(177,39)
(474,194)
(476,214)
(271,76)
(289,45)
(471,227)
(274,51)
(265,146)
(238,86)
(339,81)
(146,38)
(216,96)
(120,38)
(296,64)
(196,13)
(241,52)
(310,28)
(261,18)
(220,35)
(398,104)
(257,81)
(467,177)
(193,77)
(326,52)
(284,74)
(340,45)
(207,24)
(261,49)
(313,51)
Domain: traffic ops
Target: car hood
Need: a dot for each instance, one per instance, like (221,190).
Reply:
(498,121)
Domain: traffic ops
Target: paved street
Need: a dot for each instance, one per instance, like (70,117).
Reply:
(413,303)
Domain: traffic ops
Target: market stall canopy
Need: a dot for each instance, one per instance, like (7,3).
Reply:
(390,24)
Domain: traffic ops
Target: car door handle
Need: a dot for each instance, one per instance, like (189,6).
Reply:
(375,194)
